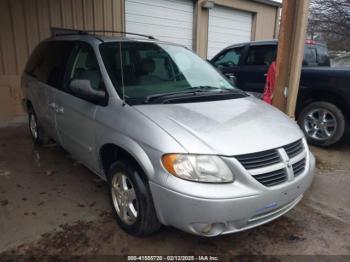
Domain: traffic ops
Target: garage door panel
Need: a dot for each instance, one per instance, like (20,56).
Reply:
(148,11)
(226,27)
(167,20)
(156,20)
(161,31)
(181,5)
(234,30)
(223,13)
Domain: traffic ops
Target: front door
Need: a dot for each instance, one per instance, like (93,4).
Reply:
(75,116)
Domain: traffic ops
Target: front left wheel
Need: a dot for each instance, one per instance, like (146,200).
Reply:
(131,199)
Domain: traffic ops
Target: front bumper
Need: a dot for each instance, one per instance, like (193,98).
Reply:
(215,216)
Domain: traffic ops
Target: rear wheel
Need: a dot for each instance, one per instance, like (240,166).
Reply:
(37,133)
(131,199)
(323,123)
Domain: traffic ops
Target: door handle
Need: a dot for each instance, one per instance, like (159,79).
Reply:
(232,77)
(59,110)
(52,105)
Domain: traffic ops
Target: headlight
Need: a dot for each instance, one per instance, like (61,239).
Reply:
(201,168)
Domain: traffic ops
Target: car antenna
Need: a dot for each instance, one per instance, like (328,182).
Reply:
(122,71)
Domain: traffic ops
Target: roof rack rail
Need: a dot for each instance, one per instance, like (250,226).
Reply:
(57,31)
(120,32)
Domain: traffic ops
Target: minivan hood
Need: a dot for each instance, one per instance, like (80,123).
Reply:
(226,127)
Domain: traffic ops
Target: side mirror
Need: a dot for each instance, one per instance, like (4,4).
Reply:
(83,89)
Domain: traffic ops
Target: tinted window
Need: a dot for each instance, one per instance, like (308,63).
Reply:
(309,56)
(229,58)
(316,55)
(84,66)
(35,60)
(322,56)
(261,55)
(48,62)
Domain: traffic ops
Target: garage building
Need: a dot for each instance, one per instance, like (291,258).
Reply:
(197,24)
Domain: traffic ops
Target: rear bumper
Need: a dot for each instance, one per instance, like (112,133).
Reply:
(211,217)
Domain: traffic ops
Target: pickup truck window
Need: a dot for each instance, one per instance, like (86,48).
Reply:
(322,56)
(229,58)
(262,55)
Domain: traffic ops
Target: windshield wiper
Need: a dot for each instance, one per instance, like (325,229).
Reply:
(172,94)
(193,91)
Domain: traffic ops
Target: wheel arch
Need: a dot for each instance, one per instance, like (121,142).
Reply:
(325,96)
(28,105)
(109,152)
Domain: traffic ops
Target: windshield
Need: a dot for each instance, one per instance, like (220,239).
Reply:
(151,69)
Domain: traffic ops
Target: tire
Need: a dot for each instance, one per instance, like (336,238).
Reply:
(146,222)
(323,123)
(38,135)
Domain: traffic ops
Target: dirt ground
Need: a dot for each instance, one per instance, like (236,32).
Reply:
(52,205)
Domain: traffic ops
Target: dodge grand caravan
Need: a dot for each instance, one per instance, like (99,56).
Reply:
(177,143)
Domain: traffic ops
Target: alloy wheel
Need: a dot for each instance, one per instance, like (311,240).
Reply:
(124,198)
(33,126)
(320,124)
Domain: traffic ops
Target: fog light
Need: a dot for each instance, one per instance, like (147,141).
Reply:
(207,228)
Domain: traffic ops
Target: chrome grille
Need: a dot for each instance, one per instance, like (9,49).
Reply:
(258,160)
(294,148)
(299,167)
(272,178)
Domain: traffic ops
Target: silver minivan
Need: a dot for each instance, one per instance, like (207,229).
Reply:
(178,144)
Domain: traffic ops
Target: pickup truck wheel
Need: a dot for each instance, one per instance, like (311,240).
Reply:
(37,133)
(323,123)
(131,199)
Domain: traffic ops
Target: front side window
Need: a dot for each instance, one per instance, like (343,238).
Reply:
(84,66)
(149,69)
(229,58)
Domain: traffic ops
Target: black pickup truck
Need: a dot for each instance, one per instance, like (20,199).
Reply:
(323,105)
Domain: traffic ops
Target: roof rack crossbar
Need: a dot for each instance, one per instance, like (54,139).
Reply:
(57,31)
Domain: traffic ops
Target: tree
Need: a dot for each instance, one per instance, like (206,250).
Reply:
(330,21)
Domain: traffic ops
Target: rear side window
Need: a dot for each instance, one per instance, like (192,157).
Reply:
(35,60)
(316,55)
(322,56)
(229,58)
(48,62)
(310,56)
(262,55)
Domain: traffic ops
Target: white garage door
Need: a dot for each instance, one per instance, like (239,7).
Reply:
(167,20)
(226,27)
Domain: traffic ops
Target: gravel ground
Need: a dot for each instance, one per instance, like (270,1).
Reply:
(51,205)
